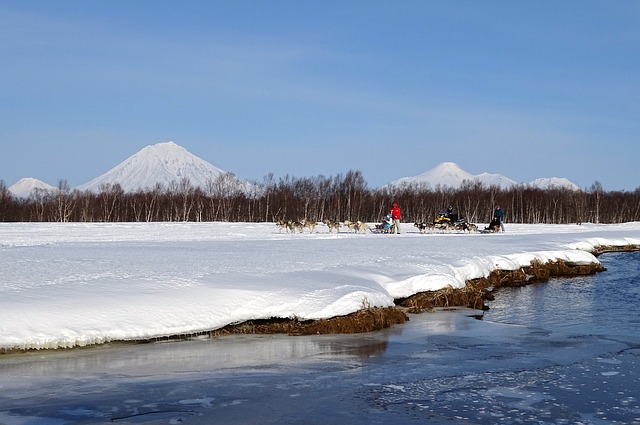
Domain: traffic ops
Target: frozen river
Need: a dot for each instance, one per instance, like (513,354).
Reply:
(564,352)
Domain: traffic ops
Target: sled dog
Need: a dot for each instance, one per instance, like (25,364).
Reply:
(332,224)
(295,225)
(445,226)
(356,226)
(350,225)
(309,224)
(362,227)
(282,225)
(424,227)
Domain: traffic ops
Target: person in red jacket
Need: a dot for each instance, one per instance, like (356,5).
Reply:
(395,216)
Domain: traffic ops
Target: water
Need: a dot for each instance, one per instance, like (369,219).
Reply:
(562,352)
(604,304)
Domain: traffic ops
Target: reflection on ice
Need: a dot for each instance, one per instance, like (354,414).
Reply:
(232,352)
(524,363)
(442,365)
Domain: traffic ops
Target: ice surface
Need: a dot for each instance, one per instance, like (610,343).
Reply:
(442,367)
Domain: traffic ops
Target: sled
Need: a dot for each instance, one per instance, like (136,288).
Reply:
(381,228)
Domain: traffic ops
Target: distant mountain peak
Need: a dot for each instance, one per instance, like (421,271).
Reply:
(163,163)
(25,187)
(449,168)
(448,165)
(554,183)
(449,174)
(163,148)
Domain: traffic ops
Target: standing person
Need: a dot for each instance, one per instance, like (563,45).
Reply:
(499,215)
(453,216)
(395,216)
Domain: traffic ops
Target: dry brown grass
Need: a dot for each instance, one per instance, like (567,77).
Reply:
(366,320)
(608,248)
(476,291)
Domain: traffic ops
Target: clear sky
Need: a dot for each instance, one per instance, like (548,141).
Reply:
(526,89)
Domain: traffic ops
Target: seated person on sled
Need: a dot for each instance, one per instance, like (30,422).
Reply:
(386,224)
(494,225)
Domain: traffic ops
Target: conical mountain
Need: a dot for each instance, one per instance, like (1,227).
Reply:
(163,163)
(449,174)
(25,187)
(445,174)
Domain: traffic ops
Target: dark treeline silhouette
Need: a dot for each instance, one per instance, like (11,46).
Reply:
(340,197)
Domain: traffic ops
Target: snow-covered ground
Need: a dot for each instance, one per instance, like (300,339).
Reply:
(65,285)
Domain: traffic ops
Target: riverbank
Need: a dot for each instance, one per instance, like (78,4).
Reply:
(472,296)
(70,285)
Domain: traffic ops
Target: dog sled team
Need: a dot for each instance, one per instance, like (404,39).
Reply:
(446,227)
(446,221)
(293,226)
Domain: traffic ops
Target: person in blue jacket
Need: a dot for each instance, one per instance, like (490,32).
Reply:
(499,216)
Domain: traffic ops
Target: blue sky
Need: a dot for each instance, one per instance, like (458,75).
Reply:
(526,89)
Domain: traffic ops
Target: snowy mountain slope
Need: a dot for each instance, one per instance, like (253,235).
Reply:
(554,183)
(445,174)
(23,188)
(449,174)
(163,163)
(489,179)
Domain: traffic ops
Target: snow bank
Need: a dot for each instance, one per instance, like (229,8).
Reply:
(66,285)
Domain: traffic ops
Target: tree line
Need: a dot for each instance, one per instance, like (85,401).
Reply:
(340,197)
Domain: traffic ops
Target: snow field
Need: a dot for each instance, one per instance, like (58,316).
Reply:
(66,285)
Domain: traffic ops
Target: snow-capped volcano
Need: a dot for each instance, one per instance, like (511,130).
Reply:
(163,163)
(24,188)
(554,183)
(449,174)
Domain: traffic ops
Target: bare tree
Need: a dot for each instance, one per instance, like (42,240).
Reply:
(343,196)
(110,197)
(269,185)
(596,191)
(186,191)
(64,202)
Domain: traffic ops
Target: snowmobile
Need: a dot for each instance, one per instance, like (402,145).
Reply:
(448,220)
(447,216)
